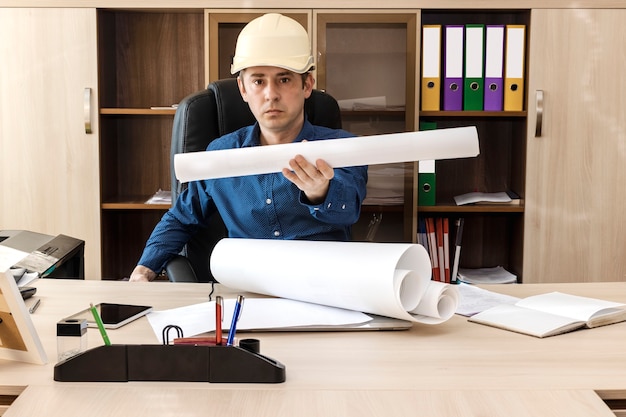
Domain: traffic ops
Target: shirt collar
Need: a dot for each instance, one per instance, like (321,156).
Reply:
(252,138)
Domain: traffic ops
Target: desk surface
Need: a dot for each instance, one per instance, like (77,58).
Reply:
(454,368)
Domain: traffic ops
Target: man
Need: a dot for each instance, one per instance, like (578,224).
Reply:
(308,200)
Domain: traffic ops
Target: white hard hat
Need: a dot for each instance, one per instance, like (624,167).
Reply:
(273,40)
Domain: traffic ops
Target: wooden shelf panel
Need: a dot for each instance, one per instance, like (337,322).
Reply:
(134,206)
(149,58)
(373,113)
(132,202)
(138,111)
(376,208)
(479,208)
(139,205)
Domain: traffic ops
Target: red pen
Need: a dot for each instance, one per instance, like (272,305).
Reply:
(219,318)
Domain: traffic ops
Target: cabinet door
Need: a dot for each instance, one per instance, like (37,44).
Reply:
(575,228)
(49,172)
(367,61)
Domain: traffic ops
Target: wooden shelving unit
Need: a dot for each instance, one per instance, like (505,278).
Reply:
(139,70)
(493,234)
(146,58)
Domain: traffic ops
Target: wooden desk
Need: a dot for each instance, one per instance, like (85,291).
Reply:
(452,369)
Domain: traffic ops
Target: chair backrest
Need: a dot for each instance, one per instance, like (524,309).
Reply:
(208,114)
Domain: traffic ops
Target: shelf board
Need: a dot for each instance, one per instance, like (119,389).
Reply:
(137,111)
(520,114)
(472,208)
(139,205)
(134,205)
(375,113)
(376,208)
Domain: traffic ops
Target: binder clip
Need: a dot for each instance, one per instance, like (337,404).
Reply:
(165,335)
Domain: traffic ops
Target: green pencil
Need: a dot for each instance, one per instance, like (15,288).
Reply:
(98,320)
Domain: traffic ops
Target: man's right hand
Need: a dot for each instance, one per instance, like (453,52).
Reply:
(142,274)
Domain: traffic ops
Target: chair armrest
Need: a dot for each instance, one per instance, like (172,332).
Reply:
(179,269)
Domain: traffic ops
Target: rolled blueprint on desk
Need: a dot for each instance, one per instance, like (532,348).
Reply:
(387,279)
(459,142)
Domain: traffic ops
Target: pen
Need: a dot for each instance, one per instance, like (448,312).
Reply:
(233,324)
(98,320)
(32,308)
(219,318)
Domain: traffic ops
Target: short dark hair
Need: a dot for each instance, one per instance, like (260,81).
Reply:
(305,75)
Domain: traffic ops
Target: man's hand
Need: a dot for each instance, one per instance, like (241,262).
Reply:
(142,274)
(313,180)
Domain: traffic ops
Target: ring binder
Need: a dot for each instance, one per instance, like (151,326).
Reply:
(514,67)
(494,68)
(453,67)
(431,70)
(474,84)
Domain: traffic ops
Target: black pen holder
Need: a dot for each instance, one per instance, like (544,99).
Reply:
(122,363)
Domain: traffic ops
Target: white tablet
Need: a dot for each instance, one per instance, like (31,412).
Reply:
(113,315)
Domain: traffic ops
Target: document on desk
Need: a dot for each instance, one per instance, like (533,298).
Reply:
(386,279)
(258,314)
(458,142)
(474,299)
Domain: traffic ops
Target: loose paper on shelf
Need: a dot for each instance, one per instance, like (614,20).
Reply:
(449,143)
(387,279)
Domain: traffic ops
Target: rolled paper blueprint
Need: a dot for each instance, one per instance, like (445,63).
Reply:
(459,142)
(387,279)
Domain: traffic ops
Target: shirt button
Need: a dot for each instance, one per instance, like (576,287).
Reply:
(268,201)
(276,233)
(343,207)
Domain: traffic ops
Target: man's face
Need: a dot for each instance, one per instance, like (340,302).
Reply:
(276,97)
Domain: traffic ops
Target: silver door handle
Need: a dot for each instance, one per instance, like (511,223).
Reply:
(87,109)
(539,114)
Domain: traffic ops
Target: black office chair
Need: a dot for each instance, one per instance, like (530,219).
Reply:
(200,118)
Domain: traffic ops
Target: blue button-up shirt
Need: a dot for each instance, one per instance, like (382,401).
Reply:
(266,206)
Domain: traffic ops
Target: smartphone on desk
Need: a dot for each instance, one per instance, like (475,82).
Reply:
(113,315)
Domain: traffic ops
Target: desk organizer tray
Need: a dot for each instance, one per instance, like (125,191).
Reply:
(123,363)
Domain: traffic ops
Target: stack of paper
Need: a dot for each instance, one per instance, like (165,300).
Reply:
(160,197)
(474,299)
(495,275)
(385,185)
(476,197)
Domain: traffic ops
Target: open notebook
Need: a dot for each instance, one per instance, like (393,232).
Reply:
(552,314)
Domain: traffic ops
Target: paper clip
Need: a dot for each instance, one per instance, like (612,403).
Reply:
(166,333)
